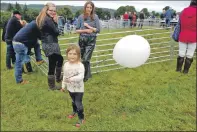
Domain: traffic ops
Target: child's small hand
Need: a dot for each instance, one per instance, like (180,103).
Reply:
(62,90)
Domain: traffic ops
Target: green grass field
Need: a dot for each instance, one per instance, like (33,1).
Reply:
(151,97)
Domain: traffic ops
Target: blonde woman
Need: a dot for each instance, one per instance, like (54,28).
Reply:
(47,23)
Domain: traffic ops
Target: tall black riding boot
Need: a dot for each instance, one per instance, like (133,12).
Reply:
(58,74)
(180,61)
(188,62)
(29,67)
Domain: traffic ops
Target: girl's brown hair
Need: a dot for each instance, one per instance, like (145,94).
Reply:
(76,48)
(42,14)
(92,13)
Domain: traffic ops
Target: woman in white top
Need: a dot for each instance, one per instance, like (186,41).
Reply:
(73,75)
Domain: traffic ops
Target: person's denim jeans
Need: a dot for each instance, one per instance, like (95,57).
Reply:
(168,22)
(37,52)
(10,55)
(21,58)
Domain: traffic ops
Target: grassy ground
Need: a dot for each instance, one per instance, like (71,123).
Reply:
(152,97)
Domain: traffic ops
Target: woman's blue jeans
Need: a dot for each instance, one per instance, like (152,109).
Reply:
(21,58)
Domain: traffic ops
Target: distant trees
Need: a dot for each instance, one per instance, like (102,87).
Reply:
(31,14)
(24,12)
(18,7)
(122,9)
(10,7)
(4,17)
(65,12)
(104,15)
(79,12)
(27,14)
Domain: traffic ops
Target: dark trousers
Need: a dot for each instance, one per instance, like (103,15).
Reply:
(77,104)
(55,60)
(141,23)
(10,55)
(87,45)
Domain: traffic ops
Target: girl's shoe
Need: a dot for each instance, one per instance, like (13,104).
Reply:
(81,121)
(72,115)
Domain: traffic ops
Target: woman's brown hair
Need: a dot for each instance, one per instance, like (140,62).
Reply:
(42,14)
(76,48)
(93,10)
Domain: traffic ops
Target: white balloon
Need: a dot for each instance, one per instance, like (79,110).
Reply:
(131,51)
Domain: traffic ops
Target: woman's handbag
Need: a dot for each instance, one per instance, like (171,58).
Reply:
(177,31)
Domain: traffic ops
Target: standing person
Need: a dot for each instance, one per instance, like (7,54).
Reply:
(168,16)
(13,26)
(162,18)
(73,74)
(140,25)
(88,26)
(187,37)
(125,19)
(134,19)
(47,23)
(36,47)
(162,15)
(26,38)
(130,19)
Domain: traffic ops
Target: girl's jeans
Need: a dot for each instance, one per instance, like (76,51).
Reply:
(21,58)
(77,104)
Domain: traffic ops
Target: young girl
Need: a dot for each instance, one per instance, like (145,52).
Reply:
(73,74)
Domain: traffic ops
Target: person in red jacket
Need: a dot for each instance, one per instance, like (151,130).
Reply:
(187,37)
(125,19)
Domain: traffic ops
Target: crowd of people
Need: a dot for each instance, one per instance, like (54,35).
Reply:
(20,37)
(131,19)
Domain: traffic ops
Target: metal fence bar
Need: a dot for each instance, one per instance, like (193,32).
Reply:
(159,52)
(103,50)
(101,61)
(101,55)
(159,57)
(159,43)
(160,47)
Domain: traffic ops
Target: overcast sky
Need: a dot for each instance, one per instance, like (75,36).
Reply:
(151,5)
